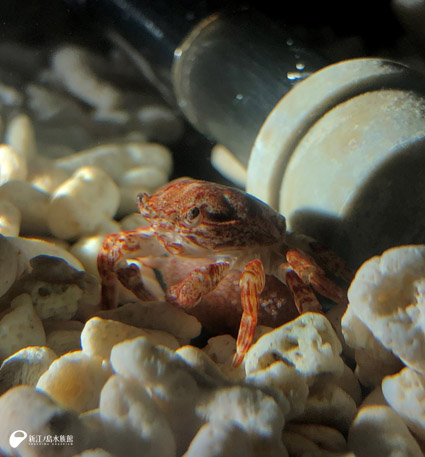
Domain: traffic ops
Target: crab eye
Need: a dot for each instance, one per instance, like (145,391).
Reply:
(143,203)
(193,215)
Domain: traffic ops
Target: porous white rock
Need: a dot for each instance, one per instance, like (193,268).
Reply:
(405,393)
(349,382)
(308,342)
(221,349)
(126,405)
(252,410)
(373,360)
(200,361)
(328,404)
(20,327)
(313,439)
(178,387)
(379,431)
(51,300)
(286,385)
(388,296)
(221,439)
(75,380)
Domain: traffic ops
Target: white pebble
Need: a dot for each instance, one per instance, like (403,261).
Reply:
(228,165)
(158,316)
(150,177)
(33,204)
(86,250)
(54,300)
(159,123)
(20,135)
(128,199)
(9,264)
(28,248)
(25,367)
(99,336)
(25,408)
(119,117)
(10,219)
(107,226)
(133,221)
(12,165)
(63,341)
(72,66)
(10,96)
(148,432)
(20,327)
(48,104)
(82,203)
(75,380)
(220,439)
(116,158)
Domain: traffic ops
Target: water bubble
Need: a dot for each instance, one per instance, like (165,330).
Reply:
(300,66)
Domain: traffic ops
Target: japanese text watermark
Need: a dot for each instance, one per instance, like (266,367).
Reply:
(18,436)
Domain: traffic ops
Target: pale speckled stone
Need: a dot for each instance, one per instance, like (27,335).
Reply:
(25,367)
(75,380)
(20,327)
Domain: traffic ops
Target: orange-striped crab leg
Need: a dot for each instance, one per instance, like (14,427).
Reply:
(112,263)
(303,294)
(311,274)
(251,283)
(198,283)
(331,261)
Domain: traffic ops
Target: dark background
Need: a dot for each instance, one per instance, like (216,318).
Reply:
(325,26)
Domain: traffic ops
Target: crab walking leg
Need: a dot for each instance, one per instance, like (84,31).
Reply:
(251,283)
(331,261)
(140,279)
(197,284)
(116,249)
(304,297)
(310,273)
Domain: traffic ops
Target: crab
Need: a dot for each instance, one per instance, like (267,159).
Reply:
(228,230)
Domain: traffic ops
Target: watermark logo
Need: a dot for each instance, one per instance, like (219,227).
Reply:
(16,438)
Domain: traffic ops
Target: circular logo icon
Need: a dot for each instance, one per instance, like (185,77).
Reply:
(16,438)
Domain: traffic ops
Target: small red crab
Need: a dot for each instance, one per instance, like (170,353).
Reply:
(234,231)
